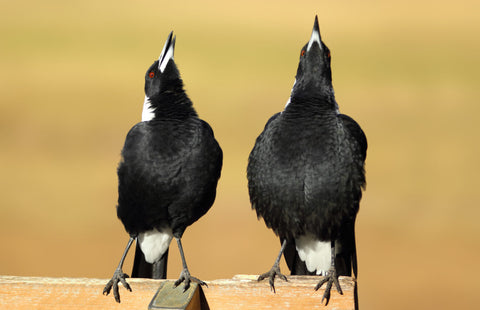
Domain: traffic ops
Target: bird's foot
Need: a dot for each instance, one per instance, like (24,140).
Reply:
(118,276)
(275,271)
(187,278)
(330,279)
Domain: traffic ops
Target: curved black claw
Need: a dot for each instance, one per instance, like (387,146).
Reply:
(330,278)
(275,271)
(118,276)
(185,276)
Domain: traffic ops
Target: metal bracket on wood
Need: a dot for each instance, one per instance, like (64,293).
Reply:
(170,297)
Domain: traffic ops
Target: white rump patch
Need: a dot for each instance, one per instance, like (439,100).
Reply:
(154,243)
(147,113)
(317,255)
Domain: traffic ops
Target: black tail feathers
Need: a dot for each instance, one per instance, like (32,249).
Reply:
(143,269)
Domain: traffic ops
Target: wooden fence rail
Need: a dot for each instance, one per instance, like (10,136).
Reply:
(240,292)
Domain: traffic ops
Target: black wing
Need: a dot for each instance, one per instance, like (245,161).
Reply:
(346,254)
(255,165)
(357,136)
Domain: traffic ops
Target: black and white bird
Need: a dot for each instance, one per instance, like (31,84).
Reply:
(306,175)
(168,174)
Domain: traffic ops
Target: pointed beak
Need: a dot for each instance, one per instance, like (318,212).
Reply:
(315,35)
(167,52)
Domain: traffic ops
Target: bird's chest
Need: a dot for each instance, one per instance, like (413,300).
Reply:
(160,153)
(302,145)
(305,159)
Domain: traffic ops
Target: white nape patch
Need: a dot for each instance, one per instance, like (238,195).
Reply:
(316,254)
(154,243)
(290,98)
(168,55)
(147,113)
(314,38)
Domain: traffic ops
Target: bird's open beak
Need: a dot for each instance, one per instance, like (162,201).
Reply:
(315,35)
(167,52)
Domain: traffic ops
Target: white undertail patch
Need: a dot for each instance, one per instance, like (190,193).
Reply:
(154,243)
(148,111)
(316,254)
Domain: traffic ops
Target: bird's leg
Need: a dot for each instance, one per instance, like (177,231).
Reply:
(185,274)
(275,271)
(119,276)
(330,279)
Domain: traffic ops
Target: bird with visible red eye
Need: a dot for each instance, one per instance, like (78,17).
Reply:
(152,206)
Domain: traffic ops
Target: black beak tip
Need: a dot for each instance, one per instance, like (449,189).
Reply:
(316,27)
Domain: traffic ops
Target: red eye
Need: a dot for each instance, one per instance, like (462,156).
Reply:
(151,75)
(328,55)
(302,53)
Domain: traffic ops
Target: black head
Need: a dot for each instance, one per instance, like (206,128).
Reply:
(314,76)
(163,71)
(164,91)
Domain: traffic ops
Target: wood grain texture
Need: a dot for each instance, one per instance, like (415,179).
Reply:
(240,292)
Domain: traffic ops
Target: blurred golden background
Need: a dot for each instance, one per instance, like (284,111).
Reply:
(71,86)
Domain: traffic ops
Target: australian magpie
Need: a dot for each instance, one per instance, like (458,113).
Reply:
(306,174)
(168,173)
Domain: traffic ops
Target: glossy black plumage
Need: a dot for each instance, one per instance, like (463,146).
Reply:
(306,170)
(168,173)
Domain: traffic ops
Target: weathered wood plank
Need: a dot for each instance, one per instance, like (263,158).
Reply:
(240,292)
